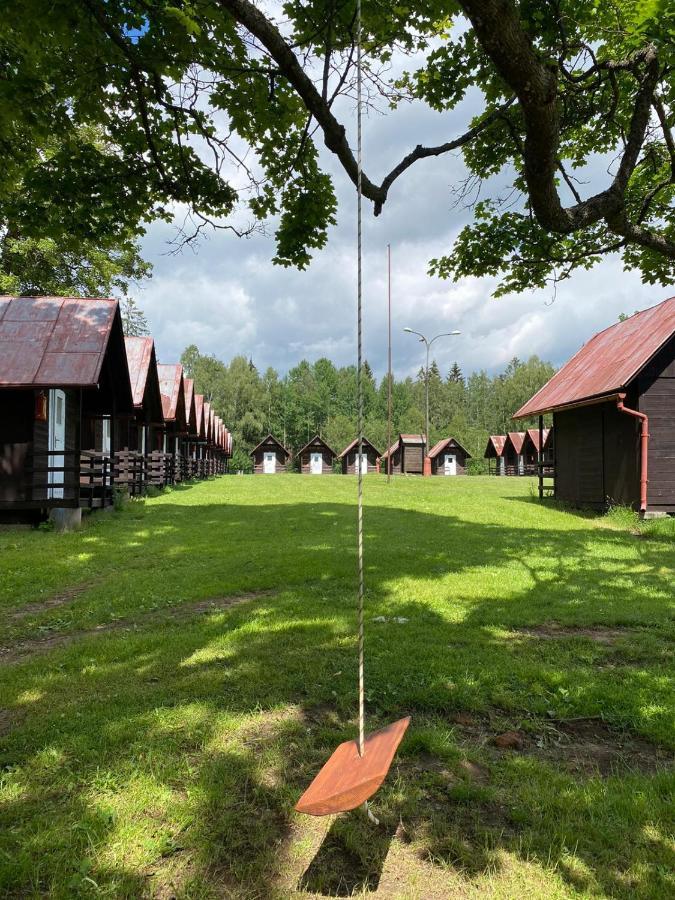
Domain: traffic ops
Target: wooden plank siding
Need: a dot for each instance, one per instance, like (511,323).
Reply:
(597,457)
(349,461)
(657,399)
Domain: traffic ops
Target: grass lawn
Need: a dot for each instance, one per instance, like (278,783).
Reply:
(172,677)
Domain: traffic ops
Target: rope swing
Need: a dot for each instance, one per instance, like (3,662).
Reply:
(356,769)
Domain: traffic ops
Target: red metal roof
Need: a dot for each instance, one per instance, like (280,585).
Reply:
(517,438)
(54,341)
(412,438)
(199,415)
(533,435)
(317,439)
(608,362)
(443,443)
(207,420)
(497,441)
(139,356)
(269,437)
(170,382)
(190,406)
(354,443)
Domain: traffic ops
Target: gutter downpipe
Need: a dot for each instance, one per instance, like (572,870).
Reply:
(644,447)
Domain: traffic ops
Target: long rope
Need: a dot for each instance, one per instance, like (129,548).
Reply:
(359,374)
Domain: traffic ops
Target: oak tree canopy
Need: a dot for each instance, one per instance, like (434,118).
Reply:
(221,106)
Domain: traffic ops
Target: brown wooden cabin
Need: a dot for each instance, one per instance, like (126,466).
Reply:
(512,454)
(270,457)
(531,450)
(174,432)
(148,412)
(349,458)
(63,367)
(613,407)
(189,442)
(316,457)
(448,457)
(406,455)
(495,451)
(201,434)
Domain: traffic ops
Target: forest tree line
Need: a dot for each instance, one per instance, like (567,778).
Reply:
(320,398)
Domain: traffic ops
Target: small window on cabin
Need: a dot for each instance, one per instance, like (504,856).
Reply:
(59,410)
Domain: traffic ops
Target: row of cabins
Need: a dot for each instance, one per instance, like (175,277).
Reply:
(518,452)
(85,411)
(404,457)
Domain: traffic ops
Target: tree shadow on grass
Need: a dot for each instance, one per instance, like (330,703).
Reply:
(204,734)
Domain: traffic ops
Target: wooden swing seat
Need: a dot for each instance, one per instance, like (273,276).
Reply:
(347,780)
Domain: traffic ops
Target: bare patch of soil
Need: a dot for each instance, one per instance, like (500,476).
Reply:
(592,747)
(585,745)
(60,599)
(22,650)
(597,633)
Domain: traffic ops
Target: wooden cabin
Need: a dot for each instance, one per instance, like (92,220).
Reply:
(316,457)
(613,407)
(63,366)
(175,422)
(495,451)
(189,443)
(405,456)
(531,450)
(349,458)
(270,457)
(448,457)
(149,414)
(512,454)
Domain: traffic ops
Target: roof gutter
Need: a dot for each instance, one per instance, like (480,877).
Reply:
(644,447)
(591,401)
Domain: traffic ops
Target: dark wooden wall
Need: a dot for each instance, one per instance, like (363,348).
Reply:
(259,457)
(413,459)
(597,456)
(326,459)
(438,462)
(657,400)
(16,440)
(349,461)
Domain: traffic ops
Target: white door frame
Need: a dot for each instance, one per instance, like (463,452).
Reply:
(450,464)
(105,436)
(56,442)
(362,464)
(269,462)
(316,463)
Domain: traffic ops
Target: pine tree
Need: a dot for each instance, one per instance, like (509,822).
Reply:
(455,374)
(134,322)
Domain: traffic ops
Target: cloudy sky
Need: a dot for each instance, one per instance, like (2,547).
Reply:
(228,298)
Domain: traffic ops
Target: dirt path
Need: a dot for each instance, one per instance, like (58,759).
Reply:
(22,650)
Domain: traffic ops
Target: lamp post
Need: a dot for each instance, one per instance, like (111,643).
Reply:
(424,340)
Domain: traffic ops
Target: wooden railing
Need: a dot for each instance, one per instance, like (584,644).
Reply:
(88,478)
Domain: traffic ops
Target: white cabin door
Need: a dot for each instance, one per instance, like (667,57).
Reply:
(450,467)
(316,464)
(521,464)
(363,465)
(502,465)
(269,463)
(105,440)
(57,442)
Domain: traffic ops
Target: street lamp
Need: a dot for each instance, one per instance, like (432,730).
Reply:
(428,343)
